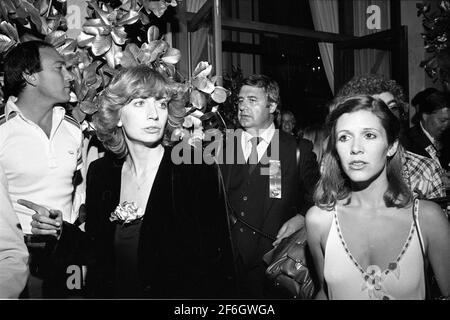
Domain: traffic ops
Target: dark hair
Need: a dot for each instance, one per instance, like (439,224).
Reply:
(270,86)
(372,84)
(24,58)
(431,100)
(334,185)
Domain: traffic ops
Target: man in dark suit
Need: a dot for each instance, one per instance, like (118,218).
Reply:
(427,137)
(263,188)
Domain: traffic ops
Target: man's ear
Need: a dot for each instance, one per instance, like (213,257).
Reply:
(30,78)
(272,107)
(392,149)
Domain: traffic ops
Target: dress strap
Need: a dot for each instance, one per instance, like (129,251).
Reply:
(416,224)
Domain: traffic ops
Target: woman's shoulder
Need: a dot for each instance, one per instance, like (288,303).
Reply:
(430,212)
(320,218)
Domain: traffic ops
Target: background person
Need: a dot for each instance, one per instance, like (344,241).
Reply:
(255,198)
(40,147)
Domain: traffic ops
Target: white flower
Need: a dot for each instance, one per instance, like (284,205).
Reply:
(127,212)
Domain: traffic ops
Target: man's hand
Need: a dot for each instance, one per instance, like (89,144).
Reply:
(45,221)
(289,227)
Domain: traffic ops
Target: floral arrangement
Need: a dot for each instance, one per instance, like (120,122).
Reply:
(126,212)
(105,45)
(436,37)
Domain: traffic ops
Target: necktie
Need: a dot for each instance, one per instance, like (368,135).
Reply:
(253,158)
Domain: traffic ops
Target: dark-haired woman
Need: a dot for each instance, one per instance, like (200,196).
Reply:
(362,235)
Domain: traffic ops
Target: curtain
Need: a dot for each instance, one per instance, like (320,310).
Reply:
(325,18)
(371,60)
(199,37)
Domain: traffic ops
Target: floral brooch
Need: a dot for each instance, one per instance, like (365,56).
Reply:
(127,212)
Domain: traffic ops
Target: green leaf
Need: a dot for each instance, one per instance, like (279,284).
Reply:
(128,59)
(7,8)
(78,114)
(130,18)
(69,46)
(5,43)
(56,38)
(88,107)
(43,6)
(84,39)
(114,55)
(102,14)
(119,35)
(96,27)
(8,29)
(145,20)
(33,13)
(101,45)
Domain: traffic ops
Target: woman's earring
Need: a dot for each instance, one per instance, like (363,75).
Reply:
(119,124)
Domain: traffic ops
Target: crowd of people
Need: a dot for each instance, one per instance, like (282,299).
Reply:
(360,184)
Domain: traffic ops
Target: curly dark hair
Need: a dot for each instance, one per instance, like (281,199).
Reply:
(371,84)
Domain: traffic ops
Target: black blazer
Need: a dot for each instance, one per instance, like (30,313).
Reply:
(184,246)
(297,183)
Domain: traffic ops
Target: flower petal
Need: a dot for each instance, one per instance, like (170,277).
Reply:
(203,69)
(219,94)
(152,34)
(171,56)
(197,99)
(203,84)
(157,7)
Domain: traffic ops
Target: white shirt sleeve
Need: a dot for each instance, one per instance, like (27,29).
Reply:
(13,251)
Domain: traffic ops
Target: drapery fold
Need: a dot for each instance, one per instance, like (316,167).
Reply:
(325,18)
(199,37)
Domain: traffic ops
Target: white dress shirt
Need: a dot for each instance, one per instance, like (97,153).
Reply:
(265,138)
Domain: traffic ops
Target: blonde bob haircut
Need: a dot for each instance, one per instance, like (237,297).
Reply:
(130,83)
